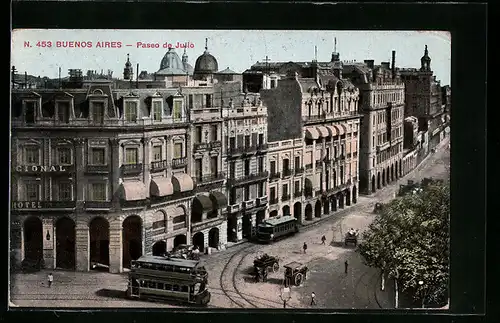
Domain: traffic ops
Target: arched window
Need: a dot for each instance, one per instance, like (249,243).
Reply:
(159,220)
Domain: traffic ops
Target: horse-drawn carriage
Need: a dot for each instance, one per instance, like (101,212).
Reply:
(295,273)
(267,262)
(351,237)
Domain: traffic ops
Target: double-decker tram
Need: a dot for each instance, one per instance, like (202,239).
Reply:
(273,229)
(174,279)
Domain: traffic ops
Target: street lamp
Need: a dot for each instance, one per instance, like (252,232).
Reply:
(285,295)
(421,283)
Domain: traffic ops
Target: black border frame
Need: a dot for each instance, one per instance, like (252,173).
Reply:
(468,25)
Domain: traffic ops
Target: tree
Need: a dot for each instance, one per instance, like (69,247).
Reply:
(409,241)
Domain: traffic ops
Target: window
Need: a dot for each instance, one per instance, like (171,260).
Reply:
(341,174)
(296,187)
(247,193)
(198,134)
(285,190)
(97,192)
(261,189)
(214,165)
(272,193)
(98,112)
(261,138)
(177,110)
(131,155)
(157,153)
(286,165)
(232,142)
(232,170)
(208,100)
(64,154)
(157,111)
(63,111)
(190,101)
(297,162)
(247,167)
(273,167)
(32,192)
(30,112)
(178,150)
(247,141)
(260,164)
(131,111)
(65,191)
(214,132)
(32,155)
(97,156)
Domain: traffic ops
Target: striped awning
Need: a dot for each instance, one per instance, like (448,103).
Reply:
(332,130)
(340,129)
(323,132)
(133,191)
(161,186)
(312,133)
(182,182)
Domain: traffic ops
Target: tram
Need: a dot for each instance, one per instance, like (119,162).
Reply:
(274,229)
(163,278)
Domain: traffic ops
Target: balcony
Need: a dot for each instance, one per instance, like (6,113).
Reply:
(179,162)
(131,169)
(131,204)
(97,205)
(97,169)
(233,208)
(287,172)
(247,179)
(317,193)
(285,198)
(158,166)
(383,146)
(349,156)
(179,226)
(299,170)
(308,193)
(201,146)
(168,198)
(248,204)
(319,164)
(298,194)
(261,201)
(207,179)
(215,144)
(274,175)
(273,200)
(262,148)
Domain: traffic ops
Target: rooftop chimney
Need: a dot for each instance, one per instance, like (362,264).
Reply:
(393,67)
(386,65)
(370,63)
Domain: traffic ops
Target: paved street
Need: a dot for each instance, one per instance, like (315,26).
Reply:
(229,279)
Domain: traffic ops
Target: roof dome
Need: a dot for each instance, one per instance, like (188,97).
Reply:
(206,63)
(171,63)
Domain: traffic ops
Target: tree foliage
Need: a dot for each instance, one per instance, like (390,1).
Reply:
(409,241)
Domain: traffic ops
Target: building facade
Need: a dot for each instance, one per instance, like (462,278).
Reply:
(382,126)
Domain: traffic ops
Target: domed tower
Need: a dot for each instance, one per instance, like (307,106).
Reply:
(425,61)
(187,67)
(171,64)
(128,72)
(206,65)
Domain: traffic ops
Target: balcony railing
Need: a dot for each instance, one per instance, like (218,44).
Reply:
(349,155)
(261,200)
(262,147)
(299,170)
(319,164)
(297,194)
(179,162)
(97,169)
(309,166)
(287,172)
(273,200)
(248,204)
(206,179)
(317,193)
(201,146)
(285,198)
(179,226)
(215,144)
(232,208)
(274,175)
(168,198)
(137,203)
(248,178)
(129,169)
(97,204)
(308,193)
(158,166)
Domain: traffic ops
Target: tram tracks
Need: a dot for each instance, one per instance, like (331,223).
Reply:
(227,280)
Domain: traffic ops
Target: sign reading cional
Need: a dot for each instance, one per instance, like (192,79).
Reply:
(41,169)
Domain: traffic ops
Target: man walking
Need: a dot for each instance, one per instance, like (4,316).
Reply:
(313,298)
(346,265)
(50,279)
(304,247)
(323,239)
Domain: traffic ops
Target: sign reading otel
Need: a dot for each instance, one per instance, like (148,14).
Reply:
(16,205)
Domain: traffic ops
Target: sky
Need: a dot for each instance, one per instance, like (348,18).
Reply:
(236,49)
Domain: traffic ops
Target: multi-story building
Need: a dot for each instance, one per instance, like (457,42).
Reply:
(423,98)
(382,105)
(245,139)
(99,174)
(313,155)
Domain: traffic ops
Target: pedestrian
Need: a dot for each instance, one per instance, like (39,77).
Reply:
(313,298)
(264,275)
(323,239)
(50,279)
(346,265)
(304,247)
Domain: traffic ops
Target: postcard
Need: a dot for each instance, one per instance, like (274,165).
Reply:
(230,169)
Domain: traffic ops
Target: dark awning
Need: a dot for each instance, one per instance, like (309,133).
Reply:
(219,200)
(202,202)
(308,182)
